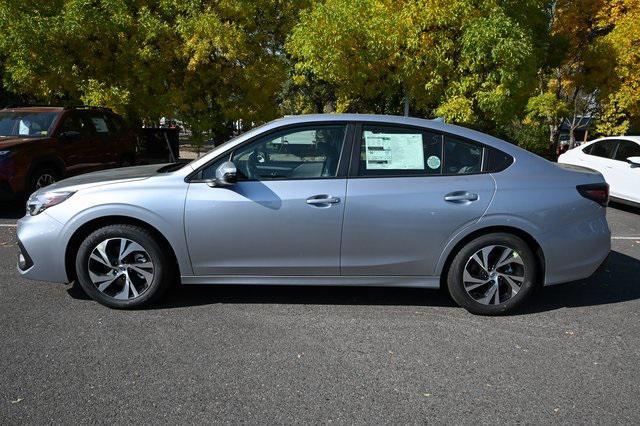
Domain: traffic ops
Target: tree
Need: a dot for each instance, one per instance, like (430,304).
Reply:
(206,61)
(471,62)
(619,21)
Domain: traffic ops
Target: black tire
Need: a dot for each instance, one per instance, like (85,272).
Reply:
(127,160)
(36,178)
(164,270)
(464,298)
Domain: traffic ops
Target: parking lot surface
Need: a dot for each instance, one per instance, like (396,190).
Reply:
(343,355)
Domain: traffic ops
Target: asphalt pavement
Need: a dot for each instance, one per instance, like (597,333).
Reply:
(323,355)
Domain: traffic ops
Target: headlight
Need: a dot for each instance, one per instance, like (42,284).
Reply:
(40,202)
(4,154)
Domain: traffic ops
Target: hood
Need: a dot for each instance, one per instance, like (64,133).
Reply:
(10,141)
(106,177)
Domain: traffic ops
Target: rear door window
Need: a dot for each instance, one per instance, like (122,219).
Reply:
(604,149)
(100,124)
(77,123)
(461,157)
(399,151)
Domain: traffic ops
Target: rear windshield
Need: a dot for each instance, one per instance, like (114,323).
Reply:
(26,124)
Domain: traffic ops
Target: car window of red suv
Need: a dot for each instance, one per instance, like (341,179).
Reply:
(101,123)
(74,122)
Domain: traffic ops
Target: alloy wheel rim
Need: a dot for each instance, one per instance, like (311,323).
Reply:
(494,274)
(45,180)
(121,268)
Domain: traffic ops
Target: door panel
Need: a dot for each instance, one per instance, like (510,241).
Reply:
(105,150)
(79,151)
(399,226)
(626,176)
(265,228)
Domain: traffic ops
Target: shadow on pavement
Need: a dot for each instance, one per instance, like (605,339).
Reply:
(618,280)
(11,210)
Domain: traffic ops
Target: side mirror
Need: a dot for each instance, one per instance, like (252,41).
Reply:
(226,175)
(69,135)
(634,161)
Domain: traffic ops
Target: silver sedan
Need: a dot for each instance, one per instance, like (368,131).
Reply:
(359,200)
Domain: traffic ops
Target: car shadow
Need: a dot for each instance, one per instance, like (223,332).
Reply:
(11,210)
(618,280)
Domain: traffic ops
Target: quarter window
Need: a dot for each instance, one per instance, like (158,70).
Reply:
(496,161)
(627,149)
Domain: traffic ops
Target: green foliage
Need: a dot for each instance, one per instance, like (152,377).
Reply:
(468,61)
(514,68)
(533,137)
(204,61)
(546,108)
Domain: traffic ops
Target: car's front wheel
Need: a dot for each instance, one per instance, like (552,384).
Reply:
(493,274)
(42,178)
(123,266)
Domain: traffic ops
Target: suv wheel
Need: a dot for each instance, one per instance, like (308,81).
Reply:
(123,266)
(493,274)
(41,178)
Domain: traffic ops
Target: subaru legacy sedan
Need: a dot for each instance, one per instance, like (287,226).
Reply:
(358,200)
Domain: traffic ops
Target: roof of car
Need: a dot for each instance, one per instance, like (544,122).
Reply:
(34,109)
(436,125)
(630,137)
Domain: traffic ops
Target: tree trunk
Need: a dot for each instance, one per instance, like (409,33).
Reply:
(572,137)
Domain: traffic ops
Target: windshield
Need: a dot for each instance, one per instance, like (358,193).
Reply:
(17,123)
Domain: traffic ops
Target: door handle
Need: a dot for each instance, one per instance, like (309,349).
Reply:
(460,197)
(322,200)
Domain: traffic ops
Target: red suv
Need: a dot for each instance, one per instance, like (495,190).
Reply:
(40,145)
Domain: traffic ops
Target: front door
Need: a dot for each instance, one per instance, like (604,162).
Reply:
(413,190)
(282,217)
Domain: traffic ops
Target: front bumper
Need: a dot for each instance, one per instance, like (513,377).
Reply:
(42,253)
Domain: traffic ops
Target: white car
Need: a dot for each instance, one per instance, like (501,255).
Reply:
(618,159)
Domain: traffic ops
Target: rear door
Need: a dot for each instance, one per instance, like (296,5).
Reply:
(626,176)
(106,147)
(408,193)
(600,158)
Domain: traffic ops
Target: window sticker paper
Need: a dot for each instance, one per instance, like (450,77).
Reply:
(393,151)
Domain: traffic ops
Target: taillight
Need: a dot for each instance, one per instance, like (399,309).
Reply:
(598,192)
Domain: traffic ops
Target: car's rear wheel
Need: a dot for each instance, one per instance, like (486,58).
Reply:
(124,267)
(493,274)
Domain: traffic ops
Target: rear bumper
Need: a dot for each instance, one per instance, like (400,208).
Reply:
(42,254)
(576,252)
